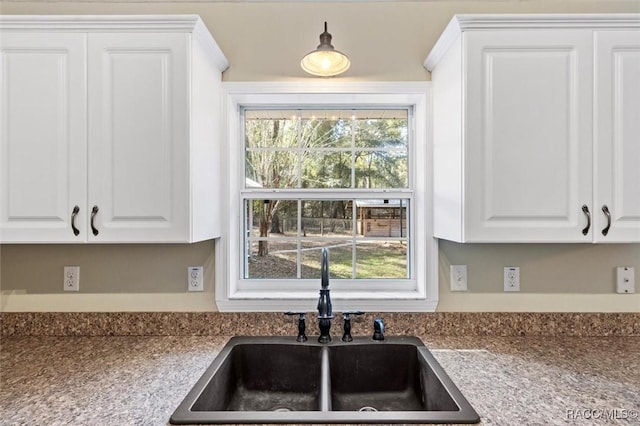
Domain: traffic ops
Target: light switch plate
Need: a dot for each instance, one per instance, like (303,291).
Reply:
(625,279)
(458,277)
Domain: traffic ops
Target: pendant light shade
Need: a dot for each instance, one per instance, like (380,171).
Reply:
(325,61)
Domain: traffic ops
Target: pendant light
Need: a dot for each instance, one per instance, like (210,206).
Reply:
(325,61)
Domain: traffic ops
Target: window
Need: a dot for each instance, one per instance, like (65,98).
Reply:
(312,180)
(313,167)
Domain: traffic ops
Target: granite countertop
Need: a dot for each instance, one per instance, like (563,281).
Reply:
(140,380)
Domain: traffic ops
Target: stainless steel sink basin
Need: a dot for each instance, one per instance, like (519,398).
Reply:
(278,380)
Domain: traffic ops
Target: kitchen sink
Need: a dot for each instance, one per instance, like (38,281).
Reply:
(279,380)
(383,377)
(257,377)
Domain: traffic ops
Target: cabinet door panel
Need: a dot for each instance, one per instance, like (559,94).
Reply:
(617,114)
(139,136)
(528,135)
(43,147)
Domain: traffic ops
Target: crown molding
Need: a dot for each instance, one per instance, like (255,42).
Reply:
(192,24)
(85,23)
(462,23)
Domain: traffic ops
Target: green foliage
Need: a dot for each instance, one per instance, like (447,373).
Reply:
(299,151)
(327,153)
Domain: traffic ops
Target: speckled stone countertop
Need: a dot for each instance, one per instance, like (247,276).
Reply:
(140,380)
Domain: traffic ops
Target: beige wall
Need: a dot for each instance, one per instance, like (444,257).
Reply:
(265,41)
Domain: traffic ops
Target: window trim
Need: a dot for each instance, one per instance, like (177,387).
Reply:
(229,297)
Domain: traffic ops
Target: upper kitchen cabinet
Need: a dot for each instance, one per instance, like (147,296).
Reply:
(536,124)
(43,145)
(617,136)
(110,129)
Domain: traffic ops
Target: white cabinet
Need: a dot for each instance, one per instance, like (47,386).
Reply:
(617,135)
(138,136)
(43,146)
(523,152)
(119,116)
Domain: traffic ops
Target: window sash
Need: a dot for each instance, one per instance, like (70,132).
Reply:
(354,239)
(354,149)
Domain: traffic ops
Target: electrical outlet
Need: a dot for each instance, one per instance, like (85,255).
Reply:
(511,278)
(625,279)
(71,278)
(195,280)
(458,277)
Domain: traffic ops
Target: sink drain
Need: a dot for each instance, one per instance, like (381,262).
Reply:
(368,409)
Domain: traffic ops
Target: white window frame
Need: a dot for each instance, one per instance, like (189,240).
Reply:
(237,295)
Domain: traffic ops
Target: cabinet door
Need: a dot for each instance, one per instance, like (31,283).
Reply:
(528,135)
(42,137)
(138,137)
(617,120)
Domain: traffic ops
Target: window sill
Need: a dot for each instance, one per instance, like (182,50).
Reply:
(377,301)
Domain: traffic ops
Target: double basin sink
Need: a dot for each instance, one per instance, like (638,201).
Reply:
(279,380)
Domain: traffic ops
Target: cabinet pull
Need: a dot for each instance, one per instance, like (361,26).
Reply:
(94,212)
(607,213)
(74,213)
(585,210)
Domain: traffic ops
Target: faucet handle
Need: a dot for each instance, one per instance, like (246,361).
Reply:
(302,337)
(378,329)
(346,315)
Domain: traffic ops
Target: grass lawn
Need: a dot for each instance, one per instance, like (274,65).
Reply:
(379,259)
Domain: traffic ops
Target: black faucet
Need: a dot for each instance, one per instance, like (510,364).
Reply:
(346,315)
(325,311)
(378,329)
(302,337)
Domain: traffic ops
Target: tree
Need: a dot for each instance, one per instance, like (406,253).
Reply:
(272,164)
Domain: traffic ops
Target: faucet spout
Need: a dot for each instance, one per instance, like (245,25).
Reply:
(324,269)
(325,310)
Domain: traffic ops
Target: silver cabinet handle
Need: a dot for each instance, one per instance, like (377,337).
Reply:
(94,212)
(585,210)
(74,213)
(607,213)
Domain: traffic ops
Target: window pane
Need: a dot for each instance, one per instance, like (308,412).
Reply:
(326,170)
(323,129)
(271,169)
(381,259)
(340,259)
(272,132)
(280,262)
(381,133)
(382,218)
(284,218)
(271,217)
(322,218)
(381,169)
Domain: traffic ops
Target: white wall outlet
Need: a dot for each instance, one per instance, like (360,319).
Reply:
(458,277)
(71,278)
(195,279)
(625,279)
(511,278)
